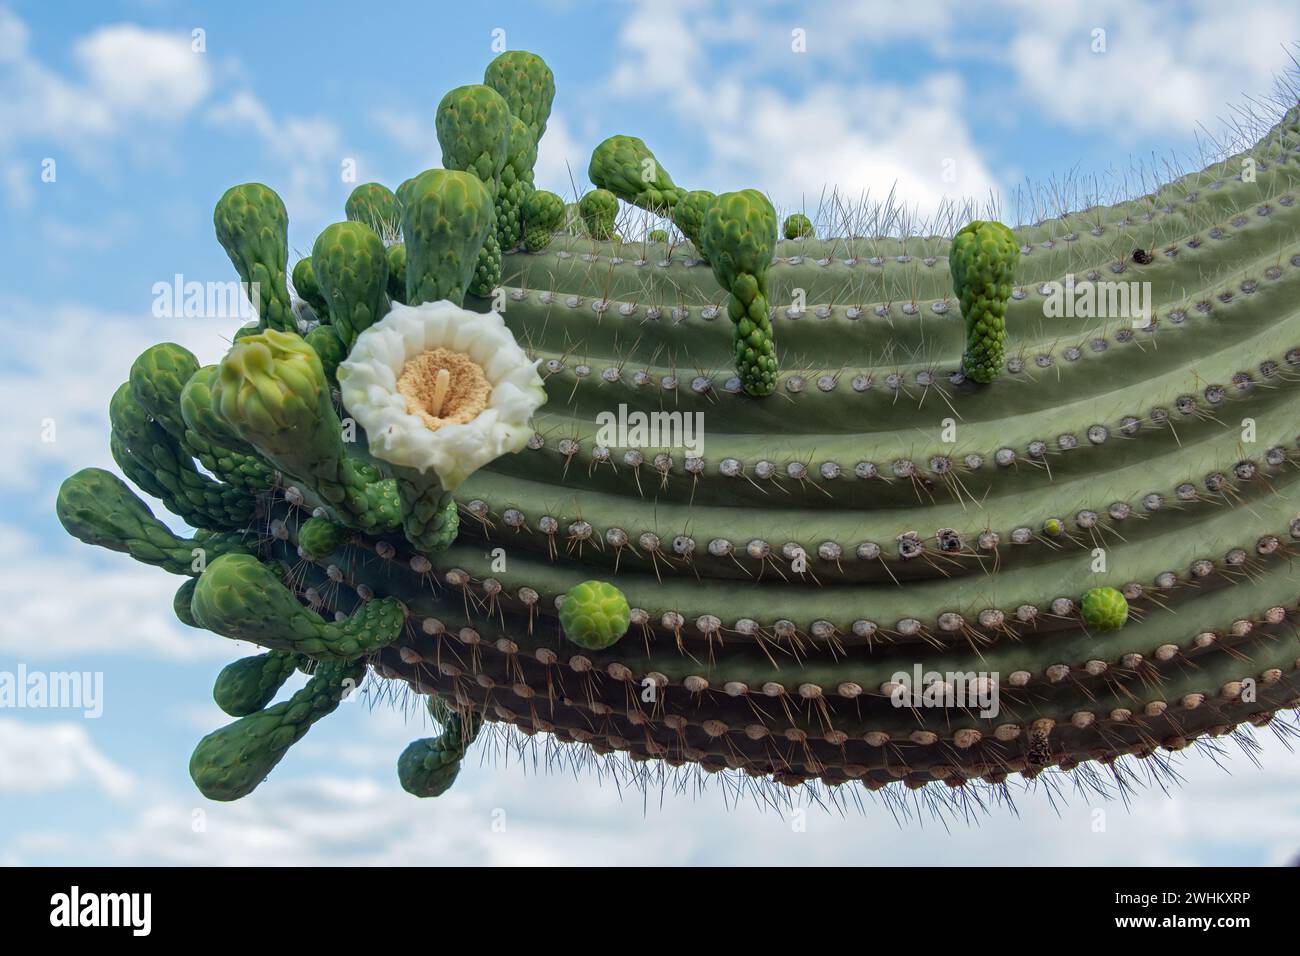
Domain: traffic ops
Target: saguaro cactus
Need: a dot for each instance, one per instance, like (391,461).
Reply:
(1055,511)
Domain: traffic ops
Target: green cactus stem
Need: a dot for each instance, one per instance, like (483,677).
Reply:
(374,205)
(516,185)
(526,83)
(241,598)
(739,237)
(624,166)
(983,263)
(447,217)
(231,762)
(599,209)
(97,507)
(351,267)
(543,215)
(689,214)
(253,227)
(474,131)
(428,767)
(776,585)
(247,685)
(308,289)
(272,391)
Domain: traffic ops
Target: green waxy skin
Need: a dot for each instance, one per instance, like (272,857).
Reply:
(158,380)
(428,767)
(798,226)
(240,597)
(157,462)
(516,184)
(983,262)
(253,227)
(543,214)
(689,214)
(526,83)
(594,615)
(374,205)
(352,270)
(447,216)
(1105,609)
(474,131)
(770,584)
(739,239)
(599,209)
(397,272)
(624,166)
(231,762)
(247,685)
(98,508)
(272,390)
(319,537)
(308,289)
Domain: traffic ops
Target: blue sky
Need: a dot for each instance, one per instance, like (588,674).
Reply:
(145,134)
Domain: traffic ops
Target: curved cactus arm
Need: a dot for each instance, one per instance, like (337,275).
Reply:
(272,390)
(983,259)
(253,227)
(430,519)
(154,460)
(625,166)
(247,685)
(473,125)
(352,270)
(397,272)
(599,210)
(543,214)
(158,380)
(516,184)
(308,289)
(97,507)
(375,205)
(241,598)
(325,342)
(181,603)
(739,235)
(526,83)
(230,763)
(447,215)
(688,214)
(428,767)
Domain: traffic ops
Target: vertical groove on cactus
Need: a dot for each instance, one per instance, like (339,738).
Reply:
(948,447)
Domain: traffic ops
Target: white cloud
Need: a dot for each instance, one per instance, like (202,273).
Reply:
(52,375)
(355,813)
(1167,68)
(144,72)
(309,149)
(36,758)
(830,133)
(130,75)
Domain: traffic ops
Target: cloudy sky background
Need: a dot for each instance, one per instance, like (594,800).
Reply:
(146,135)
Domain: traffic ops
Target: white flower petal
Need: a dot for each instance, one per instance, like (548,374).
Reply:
(368,383)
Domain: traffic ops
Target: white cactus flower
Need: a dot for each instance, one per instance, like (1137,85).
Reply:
(439,388)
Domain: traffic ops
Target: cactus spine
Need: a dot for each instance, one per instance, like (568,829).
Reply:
(778,589)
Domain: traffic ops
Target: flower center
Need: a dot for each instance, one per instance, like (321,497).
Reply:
(443,387)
